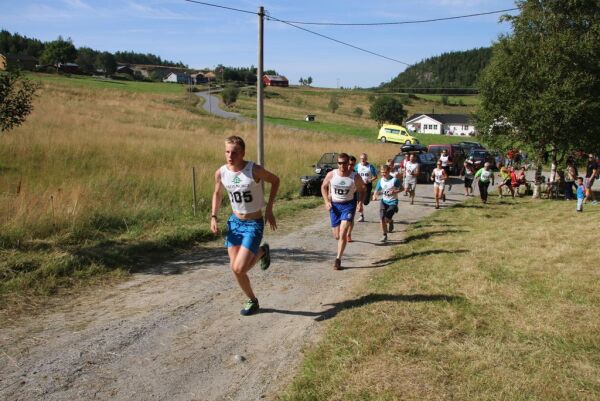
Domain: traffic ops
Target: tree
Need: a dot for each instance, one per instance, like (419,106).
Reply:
(16,99)
(387,109)
(309,81)
(107,62)
(58,51)
(541,90)
(230,94)
(334,103)
(86,59)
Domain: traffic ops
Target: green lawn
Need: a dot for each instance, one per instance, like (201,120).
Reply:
(103,83)
(467,100)
(479,302)
(361,132)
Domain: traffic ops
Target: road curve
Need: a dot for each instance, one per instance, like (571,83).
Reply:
(212,106)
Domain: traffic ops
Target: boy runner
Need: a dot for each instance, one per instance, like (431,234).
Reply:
(241,180)
(411,172)
(368,173)
(387,188)
(338,189)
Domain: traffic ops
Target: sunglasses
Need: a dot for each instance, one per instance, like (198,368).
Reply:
(342,162)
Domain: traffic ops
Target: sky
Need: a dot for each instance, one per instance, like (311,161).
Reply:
(204,37)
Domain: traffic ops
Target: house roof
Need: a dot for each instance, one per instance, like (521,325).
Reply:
(275,77)
(443,118)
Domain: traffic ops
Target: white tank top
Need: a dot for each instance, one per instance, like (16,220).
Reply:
(365,172)
(342,189)
(444,160)
(245,194)
(438,174)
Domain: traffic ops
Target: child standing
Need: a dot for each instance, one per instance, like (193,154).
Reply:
(580,194)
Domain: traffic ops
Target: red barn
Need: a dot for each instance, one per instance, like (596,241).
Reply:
(275,80)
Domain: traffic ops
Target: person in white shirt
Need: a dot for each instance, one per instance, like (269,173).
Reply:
(242,180)
(411,172)
(439,177)
(368,173)
(338,190)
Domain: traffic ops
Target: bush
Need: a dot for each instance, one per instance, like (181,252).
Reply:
(230,95)
(334,103)
(358,111)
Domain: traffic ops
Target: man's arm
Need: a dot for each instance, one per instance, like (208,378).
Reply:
(216,202)
(265,175)
(373,173)
(325,190)
(362,190)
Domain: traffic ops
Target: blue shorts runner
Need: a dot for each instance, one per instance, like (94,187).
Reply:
(342,211)
(247,233)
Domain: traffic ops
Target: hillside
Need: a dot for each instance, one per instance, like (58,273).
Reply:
(450,70)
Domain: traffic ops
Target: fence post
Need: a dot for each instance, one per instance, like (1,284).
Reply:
(194,190)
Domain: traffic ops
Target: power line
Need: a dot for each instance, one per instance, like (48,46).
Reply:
(337,41)
(400,22)
(219,6)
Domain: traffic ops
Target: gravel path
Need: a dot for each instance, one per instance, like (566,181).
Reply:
(174,331)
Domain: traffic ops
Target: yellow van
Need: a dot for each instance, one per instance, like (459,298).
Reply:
(395,133)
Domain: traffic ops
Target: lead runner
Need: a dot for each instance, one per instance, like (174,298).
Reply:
(242,181)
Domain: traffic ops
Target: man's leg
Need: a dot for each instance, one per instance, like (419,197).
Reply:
(342,238)
(241,261)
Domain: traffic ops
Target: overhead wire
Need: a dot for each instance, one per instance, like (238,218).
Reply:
(220,6)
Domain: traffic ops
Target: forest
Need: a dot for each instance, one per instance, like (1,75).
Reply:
(452,73)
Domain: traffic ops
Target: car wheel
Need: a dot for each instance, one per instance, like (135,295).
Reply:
(383,140)
(304,191)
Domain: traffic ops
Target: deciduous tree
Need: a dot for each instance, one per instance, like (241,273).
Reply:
(387,109)
(58,51)
(16,99)
(541,90)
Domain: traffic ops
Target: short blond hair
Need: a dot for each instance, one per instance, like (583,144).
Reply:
(236,140)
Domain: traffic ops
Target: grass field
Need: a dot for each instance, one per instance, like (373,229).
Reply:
(98,180)
(496,302)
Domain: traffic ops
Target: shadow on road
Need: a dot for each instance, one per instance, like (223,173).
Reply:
(336,308)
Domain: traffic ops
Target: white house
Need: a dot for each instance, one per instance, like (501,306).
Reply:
(177,77)
(448,124)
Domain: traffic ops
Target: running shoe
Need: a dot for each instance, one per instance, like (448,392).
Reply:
(361,218)
(449,187)
(443,197)
(250,308)
(391,226)
(384,238)
(337,265)
(265,261)
(349,238)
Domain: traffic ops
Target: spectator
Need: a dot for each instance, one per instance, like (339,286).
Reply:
(468,171)
(590,176)
(570,177)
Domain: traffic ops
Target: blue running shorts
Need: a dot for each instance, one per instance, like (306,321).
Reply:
(341,211)
(246,233)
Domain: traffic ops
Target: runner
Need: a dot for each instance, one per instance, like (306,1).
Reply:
(468,172)
(484,175)
(387,188)
(368,173)
(351,164)
(241,180)
(338,191)
(505,181)
(439,177)
(445,159)
(411,172)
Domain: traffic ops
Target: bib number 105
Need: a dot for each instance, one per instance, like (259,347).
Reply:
(239,197)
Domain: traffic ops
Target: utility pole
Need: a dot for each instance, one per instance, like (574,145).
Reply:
(259,89)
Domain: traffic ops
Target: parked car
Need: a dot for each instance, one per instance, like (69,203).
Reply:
(426,162)
(480,156)
(395,133)
(456,153)
(469,145)
(311,184)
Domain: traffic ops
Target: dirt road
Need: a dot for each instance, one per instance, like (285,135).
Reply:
(174,332)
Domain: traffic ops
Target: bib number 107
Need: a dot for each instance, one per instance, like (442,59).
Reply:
(340,191)
(239,197)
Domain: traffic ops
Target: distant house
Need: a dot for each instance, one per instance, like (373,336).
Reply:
(68,68)
(198,78)
(124,69)
(177,77)
(22,62)
(447,124)
(275,80)
(210,75)
(153,71)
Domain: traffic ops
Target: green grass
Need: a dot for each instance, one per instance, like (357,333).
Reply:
(496,302)
(467,100)
(360,132)
(83,81)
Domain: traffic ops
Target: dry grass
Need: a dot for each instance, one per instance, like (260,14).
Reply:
(93,165)
(481,303)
